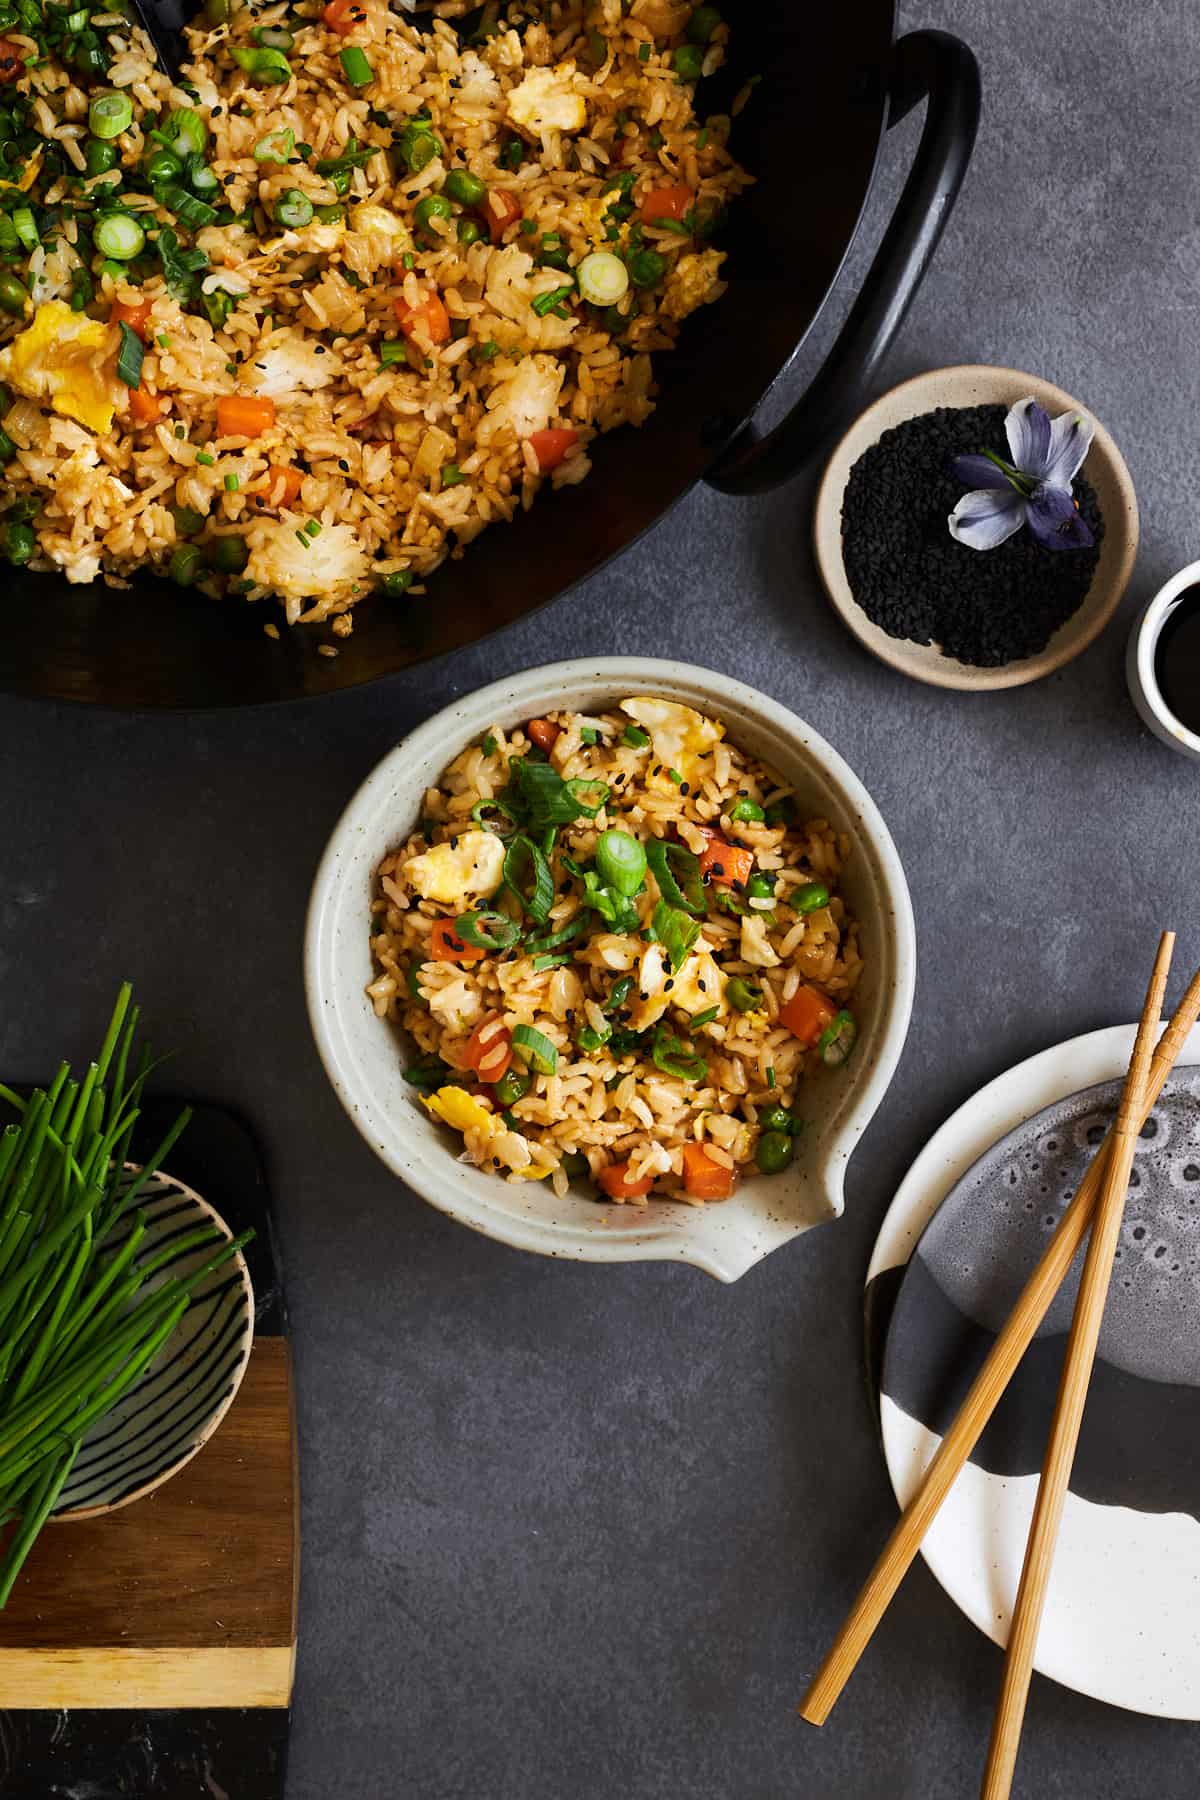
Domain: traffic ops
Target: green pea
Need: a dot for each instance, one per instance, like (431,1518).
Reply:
(229,554)
(162,165)
(186,565)
(7,448)
(743,996)
(775,1118)
(433,206)
(575,1163)
(590,1041)
(464,187)
(775,1152)
(688,61)
(781,812)
(512,1086)
(100,156)
(746,809)
(702,24)
(19,543)
(14,296)
(760,886)
(398,582)
(646,268)
(808,898)
(621,861)
(469,231)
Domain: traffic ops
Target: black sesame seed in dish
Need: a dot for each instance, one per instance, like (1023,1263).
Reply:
(917,582)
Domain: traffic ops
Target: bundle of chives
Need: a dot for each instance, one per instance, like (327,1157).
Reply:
(80,1316)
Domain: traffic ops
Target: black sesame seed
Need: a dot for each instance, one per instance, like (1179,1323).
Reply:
(343,465)
(909,575)
(685,787)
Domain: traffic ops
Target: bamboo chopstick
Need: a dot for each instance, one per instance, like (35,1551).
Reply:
(964,1433)
(1072,1396)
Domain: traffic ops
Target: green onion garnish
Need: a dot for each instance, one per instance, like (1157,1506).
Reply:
(677,872)
(635,737)
(452,475)
(704,1018)
(129,358)
(109,115)
(589,735)
(489,745)
(676,932)
(25,227)
(231,484)
(392,350)
(535,1049)
(267,67)
(527,876)
(276,147)
(556,961)
(771,1077)
(487,929)
(546,303)
(673,1057)
(837,1040)
(358,70)
(202,456)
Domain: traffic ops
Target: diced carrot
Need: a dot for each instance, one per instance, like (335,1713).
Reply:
(501,209)
(722,863)
(807,1014)
(489,1049)
(667,203)
(134,313)
(429,317)
(445,945)
(12,60)
(281,488)
(618,1184)
(145,408)
(244,415)
(551,445)
(543,732)
(704,1178)
(343,15)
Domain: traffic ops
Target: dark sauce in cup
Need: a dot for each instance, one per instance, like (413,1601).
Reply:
(1177,659)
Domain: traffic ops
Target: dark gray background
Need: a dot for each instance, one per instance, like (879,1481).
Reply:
(585,1531)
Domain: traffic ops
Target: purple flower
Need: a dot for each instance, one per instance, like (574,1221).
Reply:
(1034,489)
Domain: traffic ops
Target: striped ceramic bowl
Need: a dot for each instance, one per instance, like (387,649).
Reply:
(186,1391)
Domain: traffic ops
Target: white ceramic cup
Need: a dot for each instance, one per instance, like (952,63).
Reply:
(364,1055)
(1139,666)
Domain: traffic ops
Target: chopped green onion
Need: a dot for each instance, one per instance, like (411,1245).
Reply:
(556,961)
(589,735)
(675,776)
(129,358)
(392,351)
(513,1085)
(704,1018)
(110,114)
(276,147)
(771,1077)
(218,305)
(293,209)
(527,876)
(187,520)
(646,268)
(14,295)
(397,582)
(193,213)
(487,930)
(358,70)
(546,303)
(618,994)
(267,67)
(163,341)
(635,737)
(590,1040)
(579,787)
(617,909)
(621,861)
(688,62)
(676,931)
(120,236)
(603,278)
(431,1072)
(837,1040)
(273,37)
(209,462)
(535,1049)
(489,745)
(742,995)
(232,484)
(313,528)
(685,889)
(228,554)
(25,226)
(672,1056)
(185,130)
(554,940)
(546,799)
(452,475)
(781,812)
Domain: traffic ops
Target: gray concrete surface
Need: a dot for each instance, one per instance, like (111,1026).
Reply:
(583,1531)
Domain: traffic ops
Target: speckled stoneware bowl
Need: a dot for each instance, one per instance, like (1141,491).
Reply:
(363,1055)
(976,384)
(1140,672)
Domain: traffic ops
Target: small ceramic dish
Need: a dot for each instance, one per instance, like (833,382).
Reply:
(171,1413)
(364,1056)
(975,384)
(1139,666)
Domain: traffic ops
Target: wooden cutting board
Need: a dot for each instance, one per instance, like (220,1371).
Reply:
(184,1602)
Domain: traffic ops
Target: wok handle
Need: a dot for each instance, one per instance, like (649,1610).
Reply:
(926,63)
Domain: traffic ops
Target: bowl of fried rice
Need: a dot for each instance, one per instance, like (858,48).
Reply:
(614,960)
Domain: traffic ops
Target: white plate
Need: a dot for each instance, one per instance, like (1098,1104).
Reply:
(1122,1621)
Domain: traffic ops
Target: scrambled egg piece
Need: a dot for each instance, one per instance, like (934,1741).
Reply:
(460,1110)
(32,171)
(679,735)
(377,221)
(58,358)
(698,986)
(693,282)
(755,948)
(546,101)
(453,874)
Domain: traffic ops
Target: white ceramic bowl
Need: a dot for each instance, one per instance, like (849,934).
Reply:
(1139,666)
(363,1055)
(977,384)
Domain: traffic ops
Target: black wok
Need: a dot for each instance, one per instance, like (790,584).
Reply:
(831,81)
